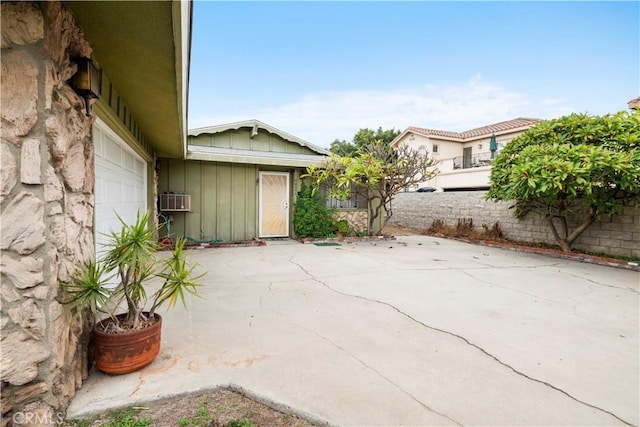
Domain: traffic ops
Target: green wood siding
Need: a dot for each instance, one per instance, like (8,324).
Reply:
(240,139)
(223,199)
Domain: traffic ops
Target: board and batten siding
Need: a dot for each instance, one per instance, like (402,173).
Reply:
(240,139)
(223,199)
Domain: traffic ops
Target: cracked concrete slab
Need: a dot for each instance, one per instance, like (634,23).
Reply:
(418,331)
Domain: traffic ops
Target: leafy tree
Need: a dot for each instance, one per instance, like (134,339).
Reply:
(365,137)
(377,174)
(311,217)
(574,166)
(342,148)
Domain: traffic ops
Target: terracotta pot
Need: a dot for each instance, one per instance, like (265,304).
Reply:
(127,352)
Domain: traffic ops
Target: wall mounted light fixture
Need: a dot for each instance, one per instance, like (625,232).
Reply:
(86,81)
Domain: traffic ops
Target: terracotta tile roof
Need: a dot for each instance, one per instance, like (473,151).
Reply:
(634,103)
(488,130)
(435,132)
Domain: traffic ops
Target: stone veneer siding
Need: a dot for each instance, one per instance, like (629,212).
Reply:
(46,195)
(357,218)
(618,235)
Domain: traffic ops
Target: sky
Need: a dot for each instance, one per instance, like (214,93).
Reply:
(323,70)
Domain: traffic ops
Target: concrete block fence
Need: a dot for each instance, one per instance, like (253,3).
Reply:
(619,235)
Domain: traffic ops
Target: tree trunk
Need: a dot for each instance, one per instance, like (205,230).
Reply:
(566,241)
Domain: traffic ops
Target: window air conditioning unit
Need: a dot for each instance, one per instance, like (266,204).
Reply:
(175,202)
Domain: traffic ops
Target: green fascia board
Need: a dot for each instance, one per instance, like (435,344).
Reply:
(256,124)
(230,155)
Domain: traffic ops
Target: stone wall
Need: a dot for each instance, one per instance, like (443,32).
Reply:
(357,219)
(46,195)
(619,235)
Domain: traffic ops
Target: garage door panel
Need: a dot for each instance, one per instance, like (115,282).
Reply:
(129,194)
(113,192)
(140,168)
(120,182)
(128,163)
(112,152)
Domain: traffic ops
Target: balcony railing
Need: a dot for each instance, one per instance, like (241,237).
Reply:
(477,160)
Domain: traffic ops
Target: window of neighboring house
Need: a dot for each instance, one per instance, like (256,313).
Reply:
(434,150)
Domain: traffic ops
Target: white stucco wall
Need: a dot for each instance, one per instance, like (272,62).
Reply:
(461,178)
(448,177)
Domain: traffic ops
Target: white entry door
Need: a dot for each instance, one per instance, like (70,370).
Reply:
(274,204)
(121,182)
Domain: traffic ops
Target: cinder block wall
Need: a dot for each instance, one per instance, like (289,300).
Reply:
(619,235)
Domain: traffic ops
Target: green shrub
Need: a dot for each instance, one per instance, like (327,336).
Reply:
(341,226)
(311,217)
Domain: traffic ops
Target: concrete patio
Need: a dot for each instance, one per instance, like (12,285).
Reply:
(417,331)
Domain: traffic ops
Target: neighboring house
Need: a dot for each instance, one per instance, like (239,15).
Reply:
(464,158)
(239,181)
(65,173)
(634,104)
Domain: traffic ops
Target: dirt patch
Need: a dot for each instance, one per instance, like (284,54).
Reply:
(392,230)
(484,237)
(216,408)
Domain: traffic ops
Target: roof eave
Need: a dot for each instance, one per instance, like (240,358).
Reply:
(151,74)
(261,125)
(242,156)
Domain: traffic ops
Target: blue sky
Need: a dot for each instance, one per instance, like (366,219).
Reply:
(323,70)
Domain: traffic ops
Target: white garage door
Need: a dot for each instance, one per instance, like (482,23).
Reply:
(121,182)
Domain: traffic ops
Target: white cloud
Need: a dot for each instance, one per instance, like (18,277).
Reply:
(322,117)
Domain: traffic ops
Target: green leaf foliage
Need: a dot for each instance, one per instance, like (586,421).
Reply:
(88,289)
(131,259)
(361,140)
(311,217)
(377,174)
(576,163)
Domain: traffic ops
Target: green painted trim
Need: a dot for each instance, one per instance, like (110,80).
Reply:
(102,110)
(212,154)
(144,49)
(182,17)
(256,124)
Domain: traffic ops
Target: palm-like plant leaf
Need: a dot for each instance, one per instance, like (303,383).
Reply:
(130,256)
(131,253)
(178,278)
(88,289)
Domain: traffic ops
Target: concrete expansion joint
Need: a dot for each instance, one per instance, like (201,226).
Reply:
(482,350)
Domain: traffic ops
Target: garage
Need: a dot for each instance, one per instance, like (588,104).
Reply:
(121,182)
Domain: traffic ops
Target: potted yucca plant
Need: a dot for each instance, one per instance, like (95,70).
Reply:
(129,340)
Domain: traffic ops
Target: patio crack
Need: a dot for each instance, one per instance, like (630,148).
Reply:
(465,340)
(466,273)
(268,292)
(137,389)
(380,374)
(603,284)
